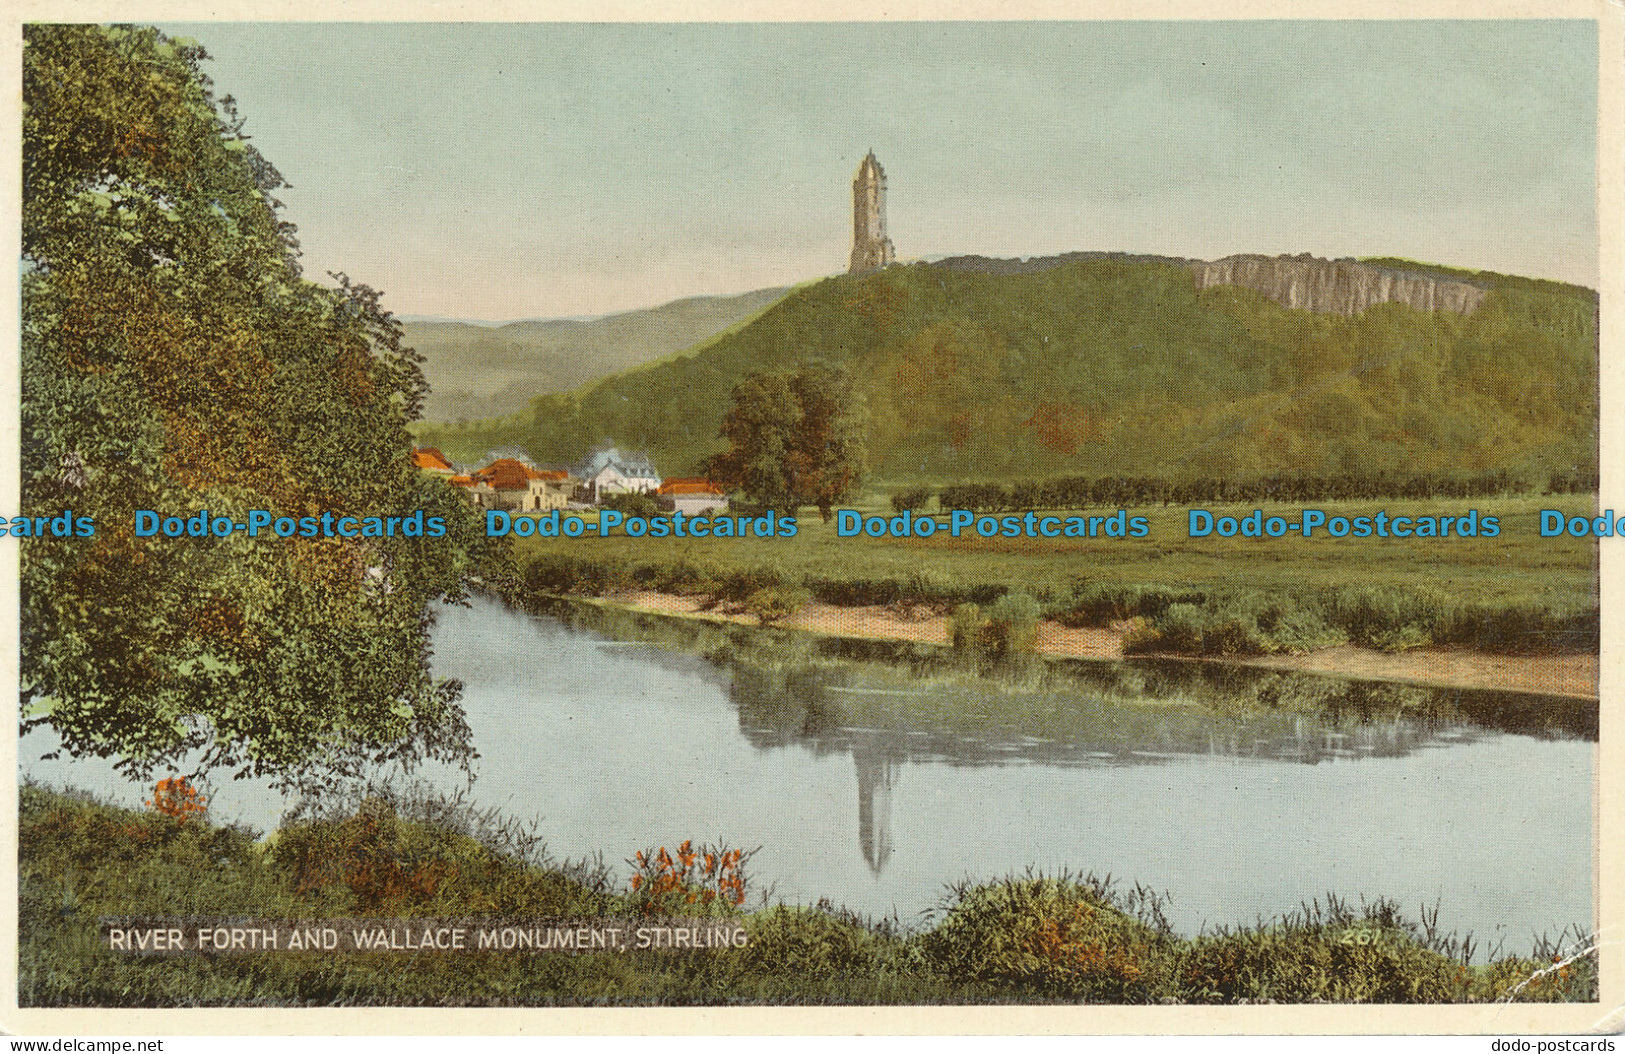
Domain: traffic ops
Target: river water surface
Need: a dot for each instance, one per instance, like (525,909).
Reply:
(875,775)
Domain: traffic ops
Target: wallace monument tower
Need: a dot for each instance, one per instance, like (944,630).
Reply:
(871,249)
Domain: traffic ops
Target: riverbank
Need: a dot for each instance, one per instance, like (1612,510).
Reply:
(1028,939)
(1570,674)
(1516,612)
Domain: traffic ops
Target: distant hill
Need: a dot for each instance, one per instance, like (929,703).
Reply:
(1102,365)
(479,370)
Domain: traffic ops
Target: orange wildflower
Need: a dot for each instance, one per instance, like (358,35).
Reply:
(177,798)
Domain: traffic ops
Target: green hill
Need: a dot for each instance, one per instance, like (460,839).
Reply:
(1101,366)
(477,371)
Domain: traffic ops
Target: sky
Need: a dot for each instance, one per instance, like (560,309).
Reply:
(503,171)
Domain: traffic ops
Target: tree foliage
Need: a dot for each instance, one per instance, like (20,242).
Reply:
(794,438)
(174,359)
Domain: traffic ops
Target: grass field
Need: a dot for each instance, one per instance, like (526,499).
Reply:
(1517,567)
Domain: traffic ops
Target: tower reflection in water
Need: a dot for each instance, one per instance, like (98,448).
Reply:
(877,774)
(898,705)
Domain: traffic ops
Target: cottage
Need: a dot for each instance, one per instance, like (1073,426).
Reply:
(692,496)
(608,471)
(513,486)
(432,461)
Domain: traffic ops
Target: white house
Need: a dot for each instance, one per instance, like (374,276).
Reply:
(608,471)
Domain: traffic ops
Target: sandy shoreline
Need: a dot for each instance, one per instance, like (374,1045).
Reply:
(1569,674)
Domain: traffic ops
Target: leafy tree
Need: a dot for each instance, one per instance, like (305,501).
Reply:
(794,438)
(174,359)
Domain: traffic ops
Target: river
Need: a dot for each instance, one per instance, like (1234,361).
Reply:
(876,774)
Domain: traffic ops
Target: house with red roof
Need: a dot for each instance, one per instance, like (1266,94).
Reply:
(692,496)
(513,486)
(430,460)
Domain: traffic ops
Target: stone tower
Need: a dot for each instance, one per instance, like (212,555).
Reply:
(871,249)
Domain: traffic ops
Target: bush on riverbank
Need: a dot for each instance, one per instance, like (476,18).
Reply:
(813,943)
(1009,627)
(1051,937)
(1324,955)
(1244,623)
(1030,938)
(1332,954)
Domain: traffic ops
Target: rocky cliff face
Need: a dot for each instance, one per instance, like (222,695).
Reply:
(1343,287)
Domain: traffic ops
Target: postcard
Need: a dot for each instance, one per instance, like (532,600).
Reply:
(775,520)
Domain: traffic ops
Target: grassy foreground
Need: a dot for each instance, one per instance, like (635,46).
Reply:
(1021,939)
(1516,592)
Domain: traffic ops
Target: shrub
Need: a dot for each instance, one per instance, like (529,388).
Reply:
(1244,623)
(595,576)
(549,574)
(1077,492)
(739,583)
(414,850)
(1524,629)
(1096,604)
(772,603)
(929,586)
(560,574)
(687,577)
(925,585)
(1005,628)
(965,626)
(1091,604)
(911,500)
(858,592)
(1289,624)
(1302,963)
(1012,625)
(807,942)
(81,834)
(383,862)
(1547,979)
(1178,630)
(1247,622)
(1140,635)
(1055,936)
(979,497)
(1237,635)
(1386,617)
(1575,481)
